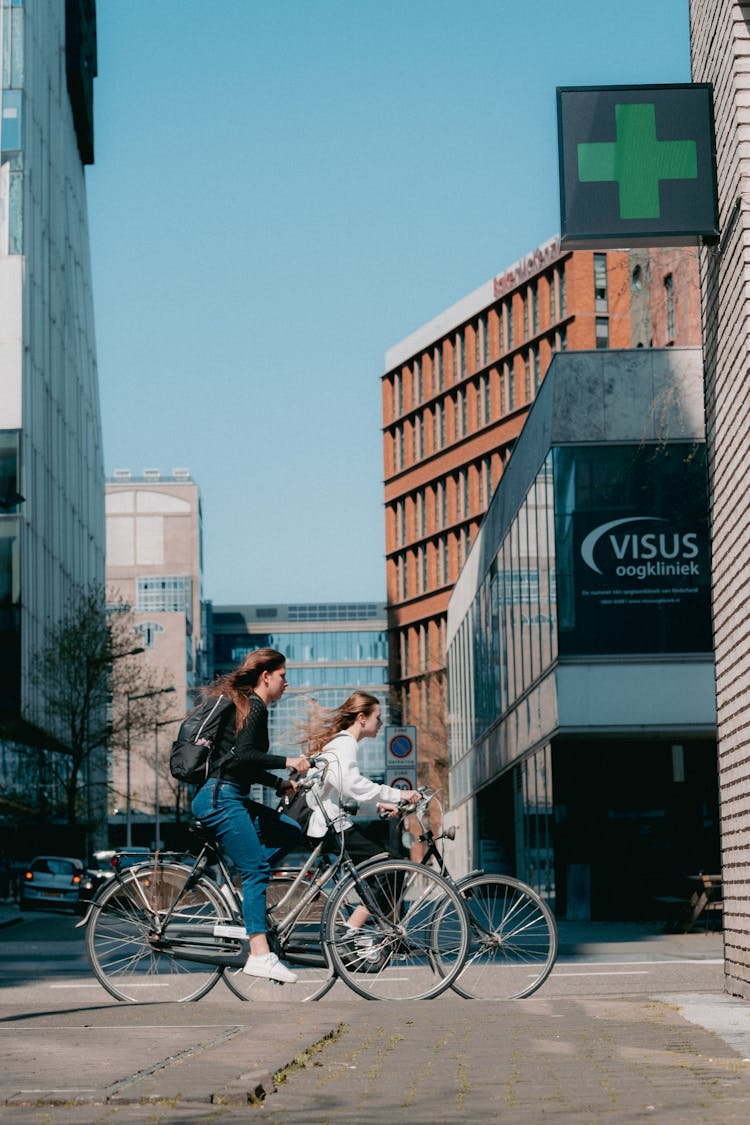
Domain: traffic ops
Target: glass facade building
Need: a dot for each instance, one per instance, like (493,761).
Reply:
(580,632)
(332,649)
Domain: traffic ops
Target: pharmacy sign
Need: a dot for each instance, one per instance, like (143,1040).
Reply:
(637,166)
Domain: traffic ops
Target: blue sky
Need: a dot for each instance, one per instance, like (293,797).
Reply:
(283,191)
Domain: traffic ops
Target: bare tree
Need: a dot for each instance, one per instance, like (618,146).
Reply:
(90,655)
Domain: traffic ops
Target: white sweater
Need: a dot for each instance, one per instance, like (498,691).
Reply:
(343,783)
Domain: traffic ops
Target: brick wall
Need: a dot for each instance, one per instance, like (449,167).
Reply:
(720,47)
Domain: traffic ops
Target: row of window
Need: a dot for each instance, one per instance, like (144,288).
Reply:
(488,397)
(351,645)
(487,338)
(444,502)
(421,648)
(431,565)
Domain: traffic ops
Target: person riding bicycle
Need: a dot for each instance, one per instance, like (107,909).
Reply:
(332,738)
(252,835)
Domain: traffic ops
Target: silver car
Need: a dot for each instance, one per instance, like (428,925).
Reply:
(51,880)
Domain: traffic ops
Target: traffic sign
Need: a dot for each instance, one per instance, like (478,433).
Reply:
(401,757)
(404,783)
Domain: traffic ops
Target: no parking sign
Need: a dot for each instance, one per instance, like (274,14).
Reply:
(401,757)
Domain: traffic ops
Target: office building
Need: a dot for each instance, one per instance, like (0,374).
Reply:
(720,46)
(580,668)
(51,465)
(332,649)
(155,566)
(456,394)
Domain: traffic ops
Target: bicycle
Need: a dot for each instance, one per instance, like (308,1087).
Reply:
(512,931)
(167,930)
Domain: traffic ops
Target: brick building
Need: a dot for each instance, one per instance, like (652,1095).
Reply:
(720,46)
(456,393)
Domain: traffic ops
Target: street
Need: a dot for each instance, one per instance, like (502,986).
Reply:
(607,1036)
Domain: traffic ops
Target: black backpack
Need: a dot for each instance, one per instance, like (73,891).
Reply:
(192,750)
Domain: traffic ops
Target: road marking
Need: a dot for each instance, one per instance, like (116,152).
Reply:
(665,961)
(616,973)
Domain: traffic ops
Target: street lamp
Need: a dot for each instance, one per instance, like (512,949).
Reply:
(129,699)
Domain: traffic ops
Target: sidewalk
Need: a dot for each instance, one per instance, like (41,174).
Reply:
(9,913)
(586,1059)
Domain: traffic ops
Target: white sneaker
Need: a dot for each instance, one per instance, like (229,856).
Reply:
(269,966)
(362,943)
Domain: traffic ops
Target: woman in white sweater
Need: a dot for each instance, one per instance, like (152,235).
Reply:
(333,738)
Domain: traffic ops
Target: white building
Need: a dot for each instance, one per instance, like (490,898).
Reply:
(51,465)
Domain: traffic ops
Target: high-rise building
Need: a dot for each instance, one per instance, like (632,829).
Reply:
(456,393)
(332,649)
(155,566)
(51,465)
(720,46)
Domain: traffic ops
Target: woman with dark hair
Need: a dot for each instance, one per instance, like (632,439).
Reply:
(332,737)
(252,835)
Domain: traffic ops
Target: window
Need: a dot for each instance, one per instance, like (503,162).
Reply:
(487,396)
(418,438)
(637,278)
(439,425)
(460,413)
(511,385)
(509,324)
(397,395)
(669,294)
(527,376)
(600,283)
(164,594)
(552,301)
(525,307)
(417,381)
(602,332)
(400,524)
(148,631)
(561,295)
(419,516)
(562,339)
(440,512)
(437,366)
(481,342)
(459,359)
(534,295)
(534,357)
(396,450)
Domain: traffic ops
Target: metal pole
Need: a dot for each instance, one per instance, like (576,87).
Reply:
(157,819)
(128,818)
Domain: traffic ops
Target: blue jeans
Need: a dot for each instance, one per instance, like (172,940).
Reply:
(253,837)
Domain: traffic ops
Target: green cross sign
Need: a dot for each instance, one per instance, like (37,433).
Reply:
(638,161)
(637,166)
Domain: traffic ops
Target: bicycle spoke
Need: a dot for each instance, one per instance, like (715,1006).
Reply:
(415,942)
(513,939)
(128,955)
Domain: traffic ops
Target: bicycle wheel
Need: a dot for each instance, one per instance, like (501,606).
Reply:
(512,939)
(404,952)
(302,949)
(127,954)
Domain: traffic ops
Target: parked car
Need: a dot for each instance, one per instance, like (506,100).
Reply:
(53,880)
